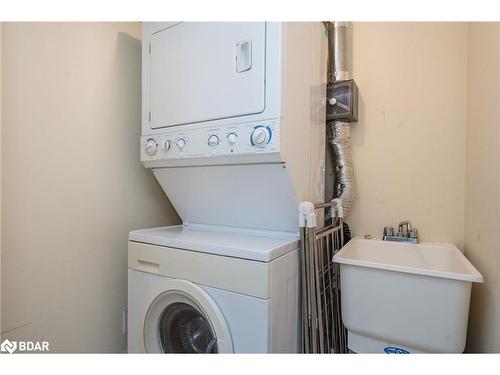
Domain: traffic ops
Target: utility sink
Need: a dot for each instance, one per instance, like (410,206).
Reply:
(405,298)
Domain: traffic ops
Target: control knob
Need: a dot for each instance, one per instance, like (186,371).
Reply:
(261,136)
(213,141)
(166,144)
(232,138)
(181,143)
(150,147)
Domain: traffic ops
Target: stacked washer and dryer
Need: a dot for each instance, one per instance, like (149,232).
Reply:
(233,128)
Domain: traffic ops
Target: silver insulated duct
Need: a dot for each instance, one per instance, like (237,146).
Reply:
(339,131)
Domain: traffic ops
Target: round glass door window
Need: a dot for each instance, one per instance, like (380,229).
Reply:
(185,319)
(184,329)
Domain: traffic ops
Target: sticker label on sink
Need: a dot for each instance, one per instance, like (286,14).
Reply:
(394,350)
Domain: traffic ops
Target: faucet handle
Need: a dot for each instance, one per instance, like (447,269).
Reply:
(388,231)
(413,233)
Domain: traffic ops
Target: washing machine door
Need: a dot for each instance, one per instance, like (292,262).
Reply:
(185,319)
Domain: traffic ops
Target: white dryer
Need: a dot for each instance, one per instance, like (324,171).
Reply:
(206,289)
(233,119)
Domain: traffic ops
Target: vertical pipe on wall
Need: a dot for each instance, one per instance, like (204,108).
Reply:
(329,153)
(339,131)
(340,69)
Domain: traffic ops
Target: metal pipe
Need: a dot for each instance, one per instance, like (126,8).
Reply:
(312,289)
(319,310)
(340,69)
(303,281)
(339,132)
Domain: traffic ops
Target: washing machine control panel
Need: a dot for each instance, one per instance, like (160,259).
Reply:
(208,142)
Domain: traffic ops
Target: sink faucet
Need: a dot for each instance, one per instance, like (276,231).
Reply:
(406,233)
(401,227)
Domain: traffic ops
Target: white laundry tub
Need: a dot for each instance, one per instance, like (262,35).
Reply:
(405,298)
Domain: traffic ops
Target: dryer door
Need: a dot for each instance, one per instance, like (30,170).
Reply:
(202,71)
(185,319)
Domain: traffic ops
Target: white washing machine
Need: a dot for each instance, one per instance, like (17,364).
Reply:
(205,289)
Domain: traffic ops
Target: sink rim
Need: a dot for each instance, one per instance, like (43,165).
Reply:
(343,257)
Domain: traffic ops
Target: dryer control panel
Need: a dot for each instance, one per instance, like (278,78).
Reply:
(191,144)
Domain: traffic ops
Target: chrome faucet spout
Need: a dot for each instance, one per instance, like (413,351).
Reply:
(406,233)
(401,227)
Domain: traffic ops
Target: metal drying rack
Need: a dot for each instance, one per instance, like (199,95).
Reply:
(322,328)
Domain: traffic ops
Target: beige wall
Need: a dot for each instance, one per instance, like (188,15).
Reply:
(482,199)
(409,143)
(0,181)
(72,183)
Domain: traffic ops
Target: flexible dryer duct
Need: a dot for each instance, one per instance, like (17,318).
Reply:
(339,131)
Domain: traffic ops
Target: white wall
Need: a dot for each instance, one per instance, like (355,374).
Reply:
(409,143)
(72,183)
(482,197)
